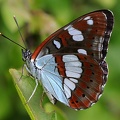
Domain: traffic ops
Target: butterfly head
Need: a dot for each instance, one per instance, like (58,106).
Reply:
(26,54)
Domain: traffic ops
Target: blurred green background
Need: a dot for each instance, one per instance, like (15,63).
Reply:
(38,19)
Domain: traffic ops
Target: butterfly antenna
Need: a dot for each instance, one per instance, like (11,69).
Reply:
(12,41)
(20,32)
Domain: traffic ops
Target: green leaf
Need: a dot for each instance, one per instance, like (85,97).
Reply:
(25,87)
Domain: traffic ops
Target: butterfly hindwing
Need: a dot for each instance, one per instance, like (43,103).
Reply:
(82,79)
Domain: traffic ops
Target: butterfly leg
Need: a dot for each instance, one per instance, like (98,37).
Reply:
(21,74)
(36,81)
(50,96)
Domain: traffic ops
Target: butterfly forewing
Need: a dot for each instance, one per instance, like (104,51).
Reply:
(72,60)
(88,34)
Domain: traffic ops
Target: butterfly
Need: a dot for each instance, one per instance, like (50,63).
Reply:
(70,64)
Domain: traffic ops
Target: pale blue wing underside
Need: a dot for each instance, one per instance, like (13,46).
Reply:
(50,77)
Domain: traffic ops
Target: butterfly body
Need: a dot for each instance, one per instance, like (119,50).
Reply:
(70,63)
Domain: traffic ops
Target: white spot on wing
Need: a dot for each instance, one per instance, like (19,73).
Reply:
(86,18)
(57,44)
(76,34)
(82,51)
(69,83)
(69,26)
(90,22)
(72,74)
(67,58)
(74,80)
(67,91)
(73,69)
(76,63)
(78,37)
